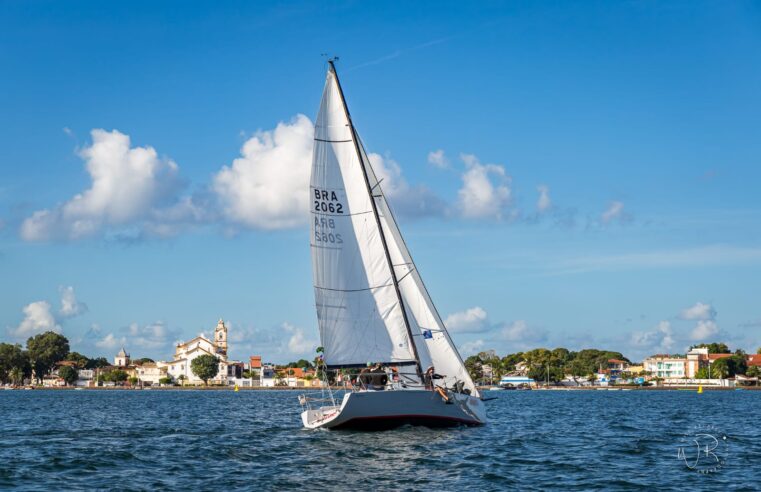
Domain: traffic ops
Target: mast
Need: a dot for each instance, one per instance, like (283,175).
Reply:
(355,139)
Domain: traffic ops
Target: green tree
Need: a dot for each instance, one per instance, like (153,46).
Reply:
(205,367)
(68,374)
(301,363)
(11,356)
(182,379)
(80,359)
(45,350)
(143,360)
(474,368)
(165,380)
(753,371)
(97,363)
(115,376)
(16,376)
(713,348)
(758,350)
(729,366)
(133,381)
(703,373)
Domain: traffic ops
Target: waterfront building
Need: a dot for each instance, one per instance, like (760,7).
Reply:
(666,366)
(150,373)
(122,359)
(179,367)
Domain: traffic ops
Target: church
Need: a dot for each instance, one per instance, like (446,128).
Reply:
(184,353)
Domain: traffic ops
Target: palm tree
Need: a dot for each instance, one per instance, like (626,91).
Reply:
(16,375)
(182,379)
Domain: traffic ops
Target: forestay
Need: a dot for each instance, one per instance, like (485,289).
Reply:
(359,312)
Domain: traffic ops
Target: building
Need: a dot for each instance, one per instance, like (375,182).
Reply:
(150,373)
(122,358)
(616,367)
(666,366)
(179,367)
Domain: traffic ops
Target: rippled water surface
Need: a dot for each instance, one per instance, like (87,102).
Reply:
(221,440)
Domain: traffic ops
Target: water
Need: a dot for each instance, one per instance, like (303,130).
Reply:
(221,440)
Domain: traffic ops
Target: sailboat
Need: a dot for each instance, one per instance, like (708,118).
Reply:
(372,305)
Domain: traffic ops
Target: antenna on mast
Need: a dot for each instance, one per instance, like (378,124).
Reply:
(330,59)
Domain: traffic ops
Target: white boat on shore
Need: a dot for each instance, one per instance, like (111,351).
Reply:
(372,305)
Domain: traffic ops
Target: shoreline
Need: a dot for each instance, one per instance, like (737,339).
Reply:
(484,389)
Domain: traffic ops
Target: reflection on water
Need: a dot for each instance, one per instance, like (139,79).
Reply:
(52,440)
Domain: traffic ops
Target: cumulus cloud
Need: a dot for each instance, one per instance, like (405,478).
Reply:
(111,342)
(471,320)
(267,187)
(126,184)
(544,203)
(437,158)
(38,318)
(705,328)
(517,330)
(410,201)
(70,307)
(298,343)
(473,347)
(151,339)
(699,311)
(485,190)
(661,338)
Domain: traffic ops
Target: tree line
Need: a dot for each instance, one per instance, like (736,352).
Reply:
(555,364)
(542,364)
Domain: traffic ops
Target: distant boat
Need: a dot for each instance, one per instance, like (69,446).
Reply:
(516,381)
(372,305)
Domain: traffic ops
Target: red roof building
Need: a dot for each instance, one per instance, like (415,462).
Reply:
(754,360)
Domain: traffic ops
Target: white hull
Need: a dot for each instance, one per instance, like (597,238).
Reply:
(388,409)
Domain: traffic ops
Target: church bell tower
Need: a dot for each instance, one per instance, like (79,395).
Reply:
(220,337)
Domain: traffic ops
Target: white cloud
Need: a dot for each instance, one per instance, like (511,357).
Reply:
(661,338)
(70,307)
(544,202)
(38,318)
(473,347)
(485,191)
(700,311)
(704,330)
(437,158)
(110,342)
(516,331)
(471,320)
(268,186)
(614,211)
(153,339)
(417,201)
(126,184)
(298,344)
(153,336)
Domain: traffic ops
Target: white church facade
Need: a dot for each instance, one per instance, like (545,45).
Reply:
(185,353)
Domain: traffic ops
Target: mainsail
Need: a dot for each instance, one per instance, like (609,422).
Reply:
(372,305)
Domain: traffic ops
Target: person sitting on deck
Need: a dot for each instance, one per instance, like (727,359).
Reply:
(365,376)
(379,377)
(428,378)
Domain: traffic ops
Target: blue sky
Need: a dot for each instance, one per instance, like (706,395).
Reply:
(566,174)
